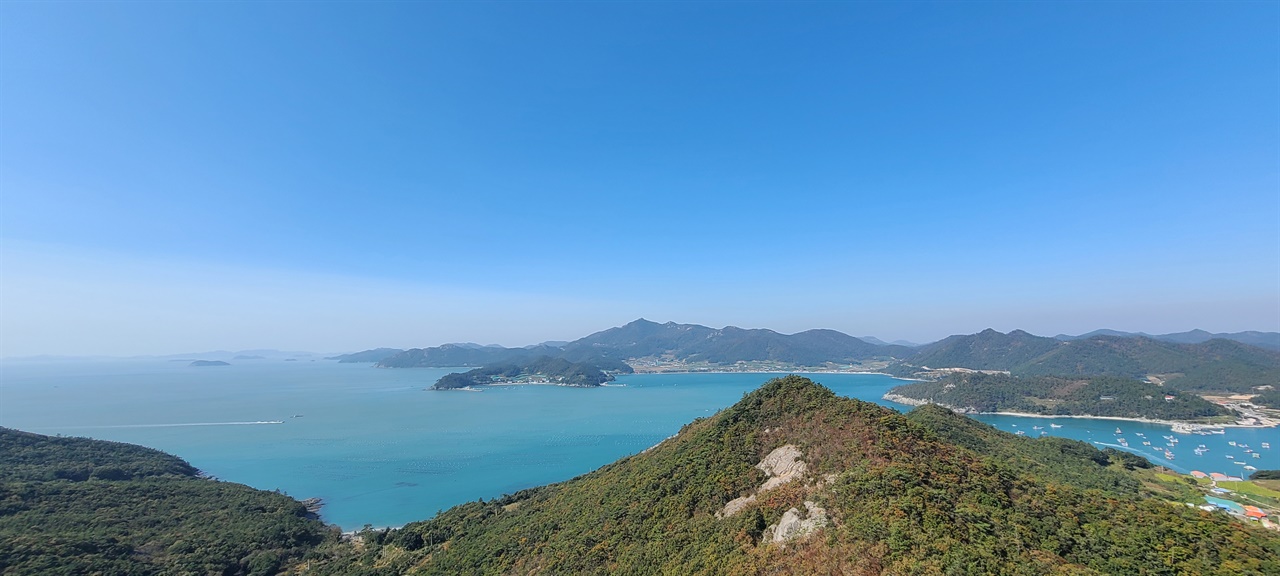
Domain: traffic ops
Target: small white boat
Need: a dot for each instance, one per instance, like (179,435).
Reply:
(1232,443)
(1250,468)
(1146,443)
(1266,445)
(1059,426)
(1257,455)
(1021,433)
(1118,431)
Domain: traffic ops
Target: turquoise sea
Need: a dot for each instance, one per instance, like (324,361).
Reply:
(381,450)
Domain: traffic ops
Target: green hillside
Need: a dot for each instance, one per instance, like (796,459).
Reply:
(1217,365)
(1095,396)
(986,350)
(71,506)
(872,492)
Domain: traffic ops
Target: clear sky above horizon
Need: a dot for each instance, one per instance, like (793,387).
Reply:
(336,176)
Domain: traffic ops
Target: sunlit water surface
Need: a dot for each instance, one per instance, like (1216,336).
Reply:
(381,450)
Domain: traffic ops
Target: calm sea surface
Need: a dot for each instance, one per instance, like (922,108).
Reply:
(381,450)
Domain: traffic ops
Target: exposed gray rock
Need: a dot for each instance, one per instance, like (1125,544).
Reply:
(793,525)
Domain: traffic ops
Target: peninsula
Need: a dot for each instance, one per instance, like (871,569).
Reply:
(971,391)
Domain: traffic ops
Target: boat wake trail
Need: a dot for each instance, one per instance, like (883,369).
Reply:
(179,425)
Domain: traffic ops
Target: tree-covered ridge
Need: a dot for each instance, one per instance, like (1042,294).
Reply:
(544,369)
(900,497)
(1051,395)
(1052,459)
(31,457)
(696,343)
(1214,365)
(77,506)
(1268,340)
(684,342)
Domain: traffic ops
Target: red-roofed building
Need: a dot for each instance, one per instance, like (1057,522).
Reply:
(1254,512)
(1199,474)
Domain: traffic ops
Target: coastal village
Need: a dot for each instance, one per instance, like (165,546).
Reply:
(1250,499)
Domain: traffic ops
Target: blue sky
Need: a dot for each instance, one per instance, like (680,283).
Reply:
(337,176)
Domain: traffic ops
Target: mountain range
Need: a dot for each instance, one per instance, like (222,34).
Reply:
(1216,364)
(1268,340)
(643,338)
(1213,365)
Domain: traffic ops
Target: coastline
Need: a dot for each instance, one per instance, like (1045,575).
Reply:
(806,371)
(1180,426)
(481,388)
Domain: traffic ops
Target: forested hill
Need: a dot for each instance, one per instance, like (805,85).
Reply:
(80,506)
(1096,396)
(1268,340)
(692,342)
(1214,365)
(542,370)
(795,480)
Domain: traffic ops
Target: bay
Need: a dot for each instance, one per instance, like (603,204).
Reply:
(382,451)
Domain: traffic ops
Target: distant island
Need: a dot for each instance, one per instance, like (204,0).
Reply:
(199,363)
(541,370)
(249,357)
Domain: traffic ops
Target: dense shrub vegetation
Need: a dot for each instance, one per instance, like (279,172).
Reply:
(77,506)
